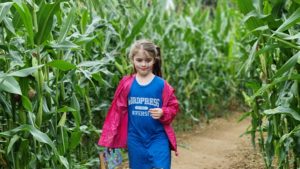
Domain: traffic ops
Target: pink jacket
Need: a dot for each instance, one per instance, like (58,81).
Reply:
(114,131)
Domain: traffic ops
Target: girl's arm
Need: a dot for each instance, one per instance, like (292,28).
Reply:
(112,119)
(170,107)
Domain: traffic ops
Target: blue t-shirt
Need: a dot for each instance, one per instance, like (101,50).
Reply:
(141,98)
(148,145)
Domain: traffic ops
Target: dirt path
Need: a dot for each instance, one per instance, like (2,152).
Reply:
(217,146)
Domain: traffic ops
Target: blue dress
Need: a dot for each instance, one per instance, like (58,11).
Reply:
(148,144)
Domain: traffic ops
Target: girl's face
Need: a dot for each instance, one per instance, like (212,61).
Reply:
(143,63)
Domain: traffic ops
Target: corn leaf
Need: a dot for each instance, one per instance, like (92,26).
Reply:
(4,9)
(10,84)
(287,66)
(45,20)
(12,141)
(62,65)
(135,30)
(25,72)
(26,103)
(69,21)
(26,17)
(291,21)
(283,110)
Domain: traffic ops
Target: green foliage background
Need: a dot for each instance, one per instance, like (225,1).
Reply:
(60,62)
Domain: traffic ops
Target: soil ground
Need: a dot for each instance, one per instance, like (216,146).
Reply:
(218,145)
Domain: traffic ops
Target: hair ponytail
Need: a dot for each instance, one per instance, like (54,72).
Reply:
(157,64)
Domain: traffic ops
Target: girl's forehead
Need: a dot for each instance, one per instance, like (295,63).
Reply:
(142,54)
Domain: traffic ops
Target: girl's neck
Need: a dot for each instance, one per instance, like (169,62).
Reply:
(144,80)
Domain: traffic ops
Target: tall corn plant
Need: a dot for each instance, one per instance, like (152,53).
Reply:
(52,68)
(272,64)
(200,61)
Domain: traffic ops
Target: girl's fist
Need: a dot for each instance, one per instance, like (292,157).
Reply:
(156,113)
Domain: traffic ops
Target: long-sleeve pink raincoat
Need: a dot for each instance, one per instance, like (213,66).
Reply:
(114,131)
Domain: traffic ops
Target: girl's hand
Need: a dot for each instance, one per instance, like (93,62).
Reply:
(156,113)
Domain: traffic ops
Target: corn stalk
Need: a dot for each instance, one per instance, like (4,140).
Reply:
(273,67)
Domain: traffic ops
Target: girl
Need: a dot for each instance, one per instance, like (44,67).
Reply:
(141,112)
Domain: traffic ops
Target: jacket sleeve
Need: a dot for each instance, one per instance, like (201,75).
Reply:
(170,107)
(109,129)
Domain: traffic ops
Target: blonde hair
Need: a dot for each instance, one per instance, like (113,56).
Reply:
(150,49)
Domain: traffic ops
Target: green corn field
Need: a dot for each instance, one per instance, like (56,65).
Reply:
(61,60)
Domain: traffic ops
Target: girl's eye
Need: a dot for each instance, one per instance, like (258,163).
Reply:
(139,60)
(148,60)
